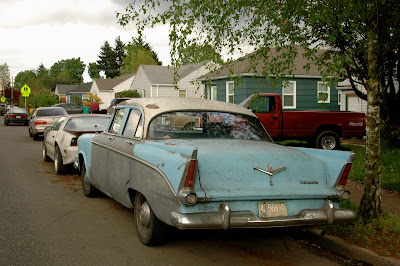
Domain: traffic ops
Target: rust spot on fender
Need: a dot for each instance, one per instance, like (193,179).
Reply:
(152,106)
(170,144)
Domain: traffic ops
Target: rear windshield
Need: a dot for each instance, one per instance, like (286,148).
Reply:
(207,125)
(88,123)
(51,112)
(17,111)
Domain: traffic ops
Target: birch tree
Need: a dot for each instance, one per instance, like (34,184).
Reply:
(360,38)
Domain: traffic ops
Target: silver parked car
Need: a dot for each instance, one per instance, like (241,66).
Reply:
(61,140)
(42,118)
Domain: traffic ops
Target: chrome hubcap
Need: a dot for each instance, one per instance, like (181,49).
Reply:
(144,214)
(328,143)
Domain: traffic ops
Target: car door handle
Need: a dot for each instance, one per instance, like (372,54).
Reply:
(131,142)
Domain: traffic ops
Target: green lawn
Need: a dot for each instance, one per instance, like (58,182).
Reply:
(390,161)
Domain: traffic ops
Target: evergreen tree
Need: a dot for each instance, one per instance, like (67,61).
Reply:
(94,70)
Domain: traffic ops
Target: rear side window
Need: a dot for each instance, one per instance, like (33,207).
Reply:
(131,128)
(57,125)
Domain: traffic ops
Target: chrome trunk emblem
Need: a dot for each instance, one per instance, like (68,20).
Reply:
(269,172)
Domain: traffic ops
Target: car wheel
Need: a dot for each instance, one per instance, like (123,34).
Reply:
(59,167)
(35,136)
(88,189)
(188,127)
(328,140)
(44,153)
(150,229)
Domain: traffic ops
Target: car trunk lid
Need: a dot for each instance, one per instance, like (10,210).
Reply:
(232,169)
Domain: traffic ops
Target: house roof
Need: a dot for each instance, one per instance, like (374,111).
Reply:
(64,88)
(82,88)
(108,84)
(243,66)
(165,74)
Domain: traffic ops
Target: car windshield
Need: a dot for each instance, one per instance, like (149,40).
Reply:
(89,123)
(202,124)
(17,111)
(51,112)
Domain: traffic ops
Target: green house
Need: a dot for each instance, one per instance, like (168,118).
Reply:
(303,90)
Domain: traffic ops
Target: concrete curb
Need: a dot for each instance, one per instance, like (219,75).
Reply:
(339,246)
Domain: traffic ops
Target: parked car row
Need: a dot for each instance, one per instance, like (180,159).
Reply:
(197,164)
(194,164)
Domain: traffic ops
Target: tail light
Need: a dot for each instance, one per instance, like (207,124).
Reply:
(74,142)
(40,122)
(10,115)
(344,174)
(186,193)
(189,181)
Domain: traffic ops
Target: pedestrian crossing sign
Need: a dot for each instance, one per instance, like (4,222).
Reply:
(25,91)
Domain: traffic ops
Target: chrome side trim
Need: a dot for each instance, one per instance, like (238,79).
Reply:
(139,160)
(225,218)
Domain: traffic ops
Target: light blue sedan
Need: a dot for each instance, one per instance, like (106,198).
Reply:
(197,164)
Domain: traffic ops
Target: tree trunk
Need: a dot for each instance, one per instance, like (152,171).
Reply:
(370,206)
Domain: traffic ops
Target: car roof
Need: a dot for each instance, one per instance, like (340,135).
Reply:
(50,107)
(155,106)
(87,115)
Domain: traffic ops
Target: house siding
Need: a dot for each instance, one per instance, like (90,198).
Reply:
(195,89)
(123,86)
(306,91)
(141,83)
(106,97)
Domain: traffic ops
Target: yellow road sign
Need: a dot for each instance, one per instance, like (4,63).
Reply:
(25,91)
(3,99)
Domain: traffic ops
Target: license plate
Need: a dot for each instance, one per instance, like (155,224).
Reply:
(272,209)
(18,116)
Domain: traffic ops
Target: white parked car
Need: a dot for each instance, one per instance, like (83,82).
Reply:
(61,140)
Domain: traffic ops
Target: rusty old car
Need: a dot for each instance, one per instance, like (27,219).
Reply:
(222,172)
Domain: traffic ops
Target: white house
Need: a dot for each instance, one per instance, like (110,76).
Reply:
(347,98)
(106,89)
(158,81)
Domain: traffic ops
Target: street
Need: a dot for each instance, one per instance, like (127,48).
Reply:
(45,220)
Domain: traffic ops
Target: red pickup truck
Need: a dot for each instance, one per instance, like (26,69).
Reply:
(322,129)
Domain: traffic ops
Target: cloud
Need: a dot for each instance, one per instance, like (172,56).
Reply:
(27,12)
(46,31)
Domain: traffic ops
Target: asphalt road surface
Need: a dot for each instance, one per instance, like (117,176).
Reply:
(46,220)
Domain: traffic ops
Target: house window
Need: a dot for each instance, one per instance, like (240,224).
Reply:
(289,95)
(230,94)
(182,93)
(213,93)
(324,92)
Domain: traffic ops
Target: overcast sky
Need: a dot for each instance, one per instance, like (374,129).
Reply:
(46,31)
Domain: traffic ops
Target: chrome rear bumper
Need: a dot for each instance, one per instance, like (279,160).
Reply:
(224,218)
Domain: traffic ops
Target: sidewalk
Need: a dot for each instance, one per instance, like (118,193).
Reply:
(390,199)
